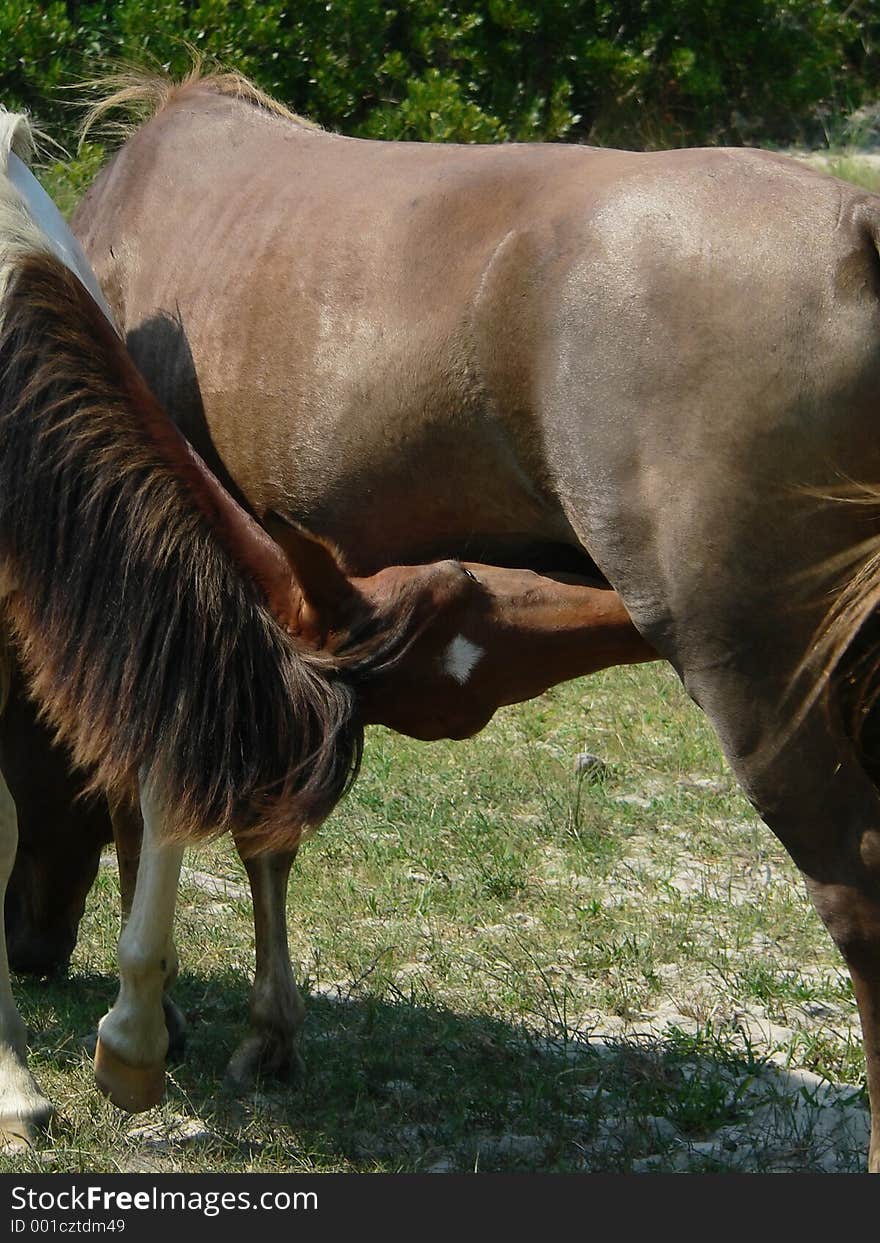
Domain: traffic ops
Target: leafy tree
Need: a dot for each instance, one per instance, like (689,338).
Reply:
(634,72)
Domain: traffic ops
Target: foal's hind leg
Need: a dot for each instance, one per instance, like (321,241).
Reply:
(24,1111)
(277,1009)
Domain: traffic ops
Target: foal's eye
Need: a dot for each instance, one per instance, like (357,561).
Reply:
(470,574)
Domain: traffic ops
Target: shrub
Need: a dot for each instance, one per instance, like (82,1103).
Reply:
(636,73)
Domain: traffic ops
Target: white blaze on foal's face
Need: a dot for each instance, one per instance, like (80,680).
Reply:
(461,658)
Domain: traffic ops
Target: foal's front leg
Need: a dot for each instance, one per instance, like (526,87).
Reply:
(132,1038)
(24,1111)
(277,1009)
(127,834)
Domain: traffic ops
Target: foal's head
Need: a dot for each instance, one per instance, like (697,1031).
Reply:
(434,650)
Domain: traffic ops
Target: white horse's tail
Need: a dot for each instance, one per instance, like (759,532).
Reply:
(16,136)
(29,221)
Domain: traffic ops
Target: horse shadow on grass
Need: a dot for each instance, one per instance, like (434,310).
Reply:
(396,1083)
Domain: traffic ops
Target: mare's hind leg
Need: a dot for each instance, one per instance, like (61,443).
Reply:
(24,1111)
(814,795)
(849,903)
(128,827)
(277,1009)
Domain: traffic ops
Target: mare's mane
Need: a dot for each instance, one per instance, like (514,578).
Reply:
(141,93)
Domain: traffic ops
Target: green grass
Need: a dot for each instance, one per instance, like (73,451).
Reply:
(859,168)
(66,181)
(508,967)
(853,168)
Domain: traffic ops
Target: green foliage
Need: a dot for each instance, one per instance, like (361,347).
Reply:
(636,72)
(66,181)
(37,43)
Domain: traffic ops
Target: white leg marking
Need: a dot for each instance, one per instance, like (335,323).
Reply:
(461,658)
(134,1030)
(23,1109)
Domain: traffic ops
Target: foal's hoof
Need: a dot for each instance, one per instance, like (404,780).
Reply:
(134,1088)
(265,1055)
(175,1025)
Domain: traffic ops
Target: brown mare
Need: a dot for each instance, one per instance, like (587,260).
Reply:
(178,652)
(552,357)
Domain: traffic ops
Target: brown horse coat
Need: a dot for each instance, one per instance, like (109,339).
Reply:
(550,356)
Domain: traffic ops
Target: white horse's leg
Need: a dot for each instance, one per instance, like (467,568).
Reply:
(277,1009)
(24,1111)
(133,1038)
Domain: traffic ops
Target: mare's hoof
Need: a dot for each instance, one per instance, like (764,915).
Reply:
(134,1088)
(265,1055)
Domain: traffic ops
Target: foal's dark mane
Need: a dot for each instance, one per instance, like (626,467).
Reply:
(148,648)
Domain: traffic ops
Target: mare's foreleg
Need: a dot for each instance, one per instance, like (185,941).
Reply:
(277,1010)
(132,1038)
(24,1111)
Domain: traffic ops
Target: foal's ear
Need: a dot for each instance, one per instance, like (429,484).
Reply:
(327,592)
